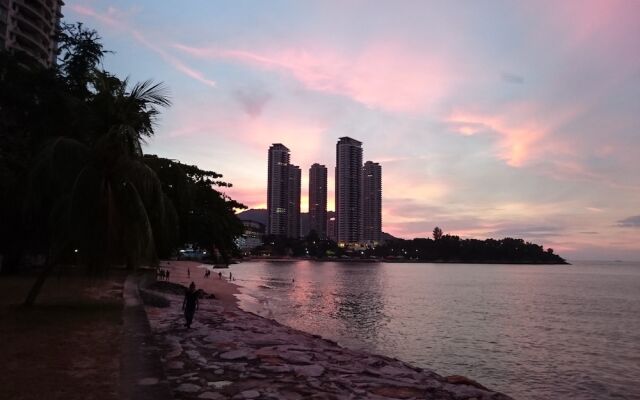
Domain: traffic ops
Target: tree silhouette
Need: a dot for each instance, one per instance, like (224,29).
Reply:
(437,233)
(451,248)
(74,183)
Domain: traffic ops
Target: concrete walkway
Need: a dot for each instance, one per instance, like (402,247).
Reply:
(142,375)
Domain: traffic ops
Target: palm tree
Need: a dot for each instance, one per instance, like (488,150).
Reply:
(100,199)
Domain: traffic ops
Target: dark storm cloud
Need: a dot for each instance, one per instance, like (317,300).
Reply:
(512,78)
(524,232)
(252,100)
(630,222)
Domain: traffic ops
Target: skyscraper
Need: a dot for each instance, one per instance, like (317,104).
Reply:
(30,27)
(283,193)
(277,190)
(371,221)
(293,202)
(331,226)
(348,200)
(318,199)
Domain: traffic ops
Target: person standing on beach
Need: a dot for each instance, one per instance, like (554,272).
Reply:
(190,304)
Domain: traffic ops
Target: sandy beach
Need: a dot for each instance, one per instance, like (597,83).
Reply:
(185,272)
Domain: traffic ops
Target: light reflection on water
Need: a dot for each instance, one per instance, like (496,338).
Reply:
(534,332)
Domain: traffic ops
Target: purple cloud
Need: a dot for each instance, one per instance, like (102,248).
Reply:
(630,222)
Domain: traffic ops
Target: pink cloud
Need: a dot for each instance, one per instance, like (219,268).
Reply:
(525,132)
(250,196)
(516,143)
(387,76)
(304,135)
(116,20)
(604,23)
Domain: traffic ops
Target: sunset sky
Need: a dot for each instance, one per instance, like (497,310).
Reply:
(490,118)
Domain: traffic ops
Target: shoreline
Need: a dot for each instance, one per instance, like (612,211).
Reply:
(393,261)
(234,354)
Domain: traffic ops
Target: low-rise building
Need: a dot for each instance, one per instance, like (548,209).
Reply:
(252,236)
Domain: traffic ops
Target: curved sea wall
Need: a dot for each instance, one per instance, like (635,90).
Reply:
(232,354)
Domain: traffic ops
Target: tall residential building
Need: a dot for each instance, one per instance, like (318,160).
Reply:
(348,201)
(30,26)
(331,226)
(283,193)
(293,201)
(318,200)
(371,222)
(277,190)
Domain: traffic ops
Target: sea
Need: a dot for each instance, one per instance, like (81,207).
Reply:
(529,331)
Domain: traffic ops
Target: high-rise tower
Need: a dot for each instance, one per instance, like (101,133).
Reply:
(348,201)
(29,26)
(293,202)
(371,222)
(277,190)
(318,200)
(283,193)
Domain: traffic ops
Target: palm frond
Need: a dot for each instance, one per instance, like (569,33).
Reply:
(150,93)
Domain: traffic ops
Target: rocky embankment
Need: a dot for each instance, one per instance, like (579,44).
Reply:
(232,354)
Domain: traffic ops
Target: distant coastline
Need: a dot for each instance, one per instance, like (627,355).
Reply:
(401,261)
(439,248)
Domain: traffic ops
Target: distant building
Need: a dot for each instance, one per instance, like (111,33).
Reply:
(304,224)
(277,190)
(331,226)
(283,193)
(252,236)
(293,201)
(30,26)
(371,221)
(318,200)
(348,201)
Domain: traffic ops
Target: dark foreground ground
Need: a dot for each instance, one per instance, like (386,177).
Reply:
(83,340)
(67,346)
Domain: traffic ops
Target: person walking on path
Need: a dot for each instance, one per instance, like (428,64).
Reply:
(190,304)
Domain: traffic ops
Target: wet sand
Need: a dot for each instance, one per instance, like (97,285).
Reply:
(185,272)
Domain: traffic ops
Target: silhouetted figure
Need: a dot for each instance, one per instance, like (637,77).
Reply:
(190,304)
(230,276)
(188,273)
(167,275)
(220,275)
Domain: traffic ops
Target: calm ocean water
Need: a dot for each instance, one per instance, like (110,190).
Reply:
(533,332)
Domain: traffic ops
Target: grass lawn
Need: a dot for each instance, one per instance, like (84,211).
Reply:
(65,347)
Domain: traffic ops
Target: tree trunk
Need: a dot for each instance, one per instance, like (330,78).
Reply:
(37,286)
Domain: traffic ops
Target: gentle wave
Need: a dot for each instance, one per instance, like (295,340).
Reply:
(534,332)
